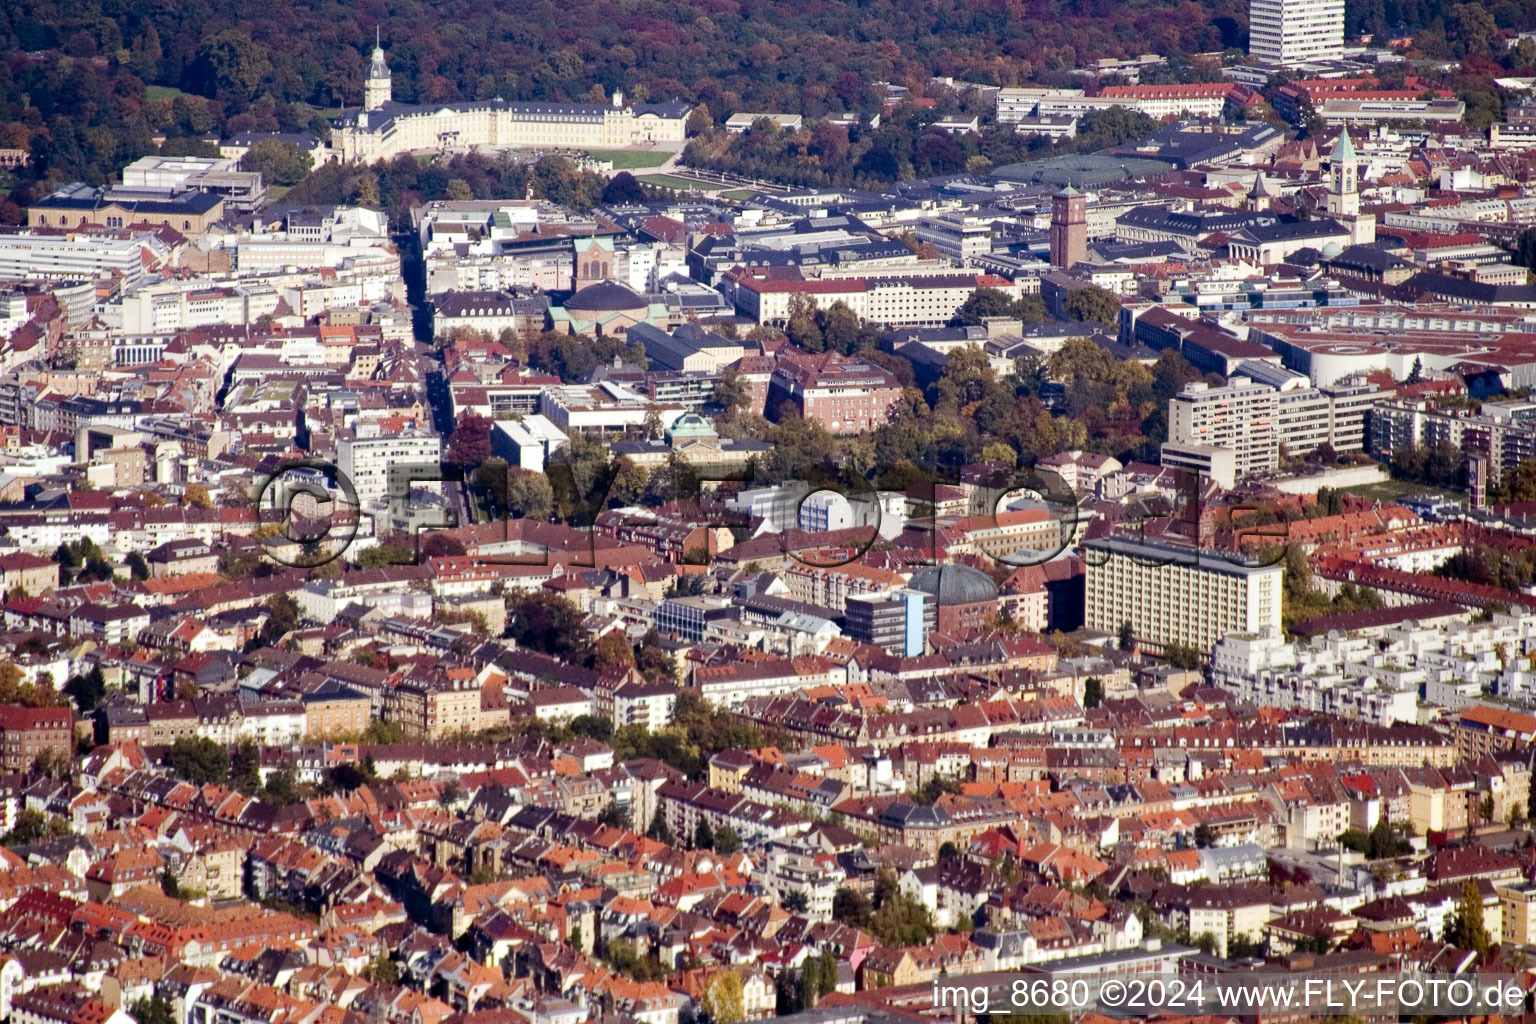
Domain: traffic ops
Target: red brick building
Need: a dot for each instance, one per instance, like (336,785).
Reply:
(845,394)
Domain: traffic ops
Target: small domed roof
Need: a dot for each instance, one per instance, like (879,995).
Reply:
(691,424)
(1331,250)
(605,297)
(955,584)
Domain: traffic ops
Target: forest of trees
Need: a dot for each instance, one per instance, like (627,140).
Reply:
(396,185)
(904,146)
(86,87)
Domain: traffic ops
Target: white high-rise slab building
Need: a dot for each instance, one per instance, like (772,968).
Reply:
(1263,407)
(1295,31)
(1176,595)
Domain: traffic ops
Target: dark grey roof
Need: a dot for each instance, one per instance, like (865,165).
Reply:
(1083,170)
(606,297)
(905,335)
(1109,252)
(191,203)
(1368,257)
(304,140)
(1185,148)
(1286,231)
(567,112)
(461,304)
(905,815)
(859,252)
(955,584)
(1195,224)
(670,350)
(675,108)
(1475,291)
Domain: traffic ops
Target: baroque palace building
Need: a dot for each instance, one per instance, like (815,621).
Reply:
(384,128)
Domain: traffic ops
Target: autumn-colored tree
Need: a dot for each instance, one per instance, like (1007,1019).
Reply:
(470,444)
(612,650)
(723,997)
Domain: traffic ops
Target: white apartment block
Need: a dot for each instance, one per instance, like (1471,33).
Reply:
(1014,105)
(13,313)
(1241,416)
(1295,31)
(260,255)
(1263,407)
(279,723)
(928,300)
(173,306)
(367,460)
(957,235)
(1177,595)
(1376,676)
(1344,677)
(544,270)
(31,257)
(793,868)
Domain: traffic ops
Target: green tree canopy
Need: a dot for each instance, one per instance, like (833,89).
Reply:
(279,163)
(1093,303)
(200,760)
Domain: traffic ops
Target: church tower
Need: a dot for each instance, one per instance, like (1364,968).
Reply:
(594,261)
(376,87)
(1343,203)
(1260,197)
(1343,178)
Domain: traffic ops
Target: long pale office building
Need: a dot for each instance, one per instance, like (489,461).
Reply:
(1176,595)
(1263,407)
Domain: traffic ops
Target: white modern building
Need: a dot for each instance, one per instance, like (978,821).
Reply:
(797,866)
(170,306)
(1295,31)
(28,257)
(1337,110)
(527,443)
(1177,595)
(367,460)
(1016,104)
(1342,676)
(957,235)
(1261,408)
(602,409)
(1377,675)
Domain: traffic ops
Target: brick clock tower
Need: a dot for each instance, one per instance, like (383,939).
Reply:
(1069,227)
